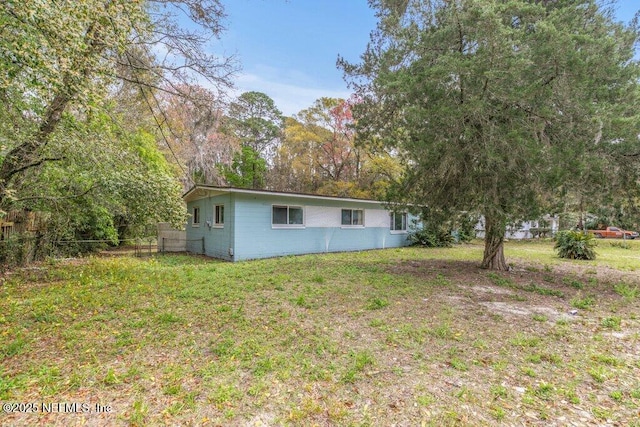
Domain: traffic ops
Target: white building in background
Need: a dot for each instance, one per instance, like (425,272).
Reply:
(526,229)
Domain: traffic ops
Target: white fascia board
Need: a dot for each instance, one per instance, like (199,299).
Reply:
(202,191)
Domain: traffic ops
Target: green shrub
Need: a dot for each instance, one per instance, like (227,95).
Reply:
(466,227)
(14,251)
(431,236)
(575,245)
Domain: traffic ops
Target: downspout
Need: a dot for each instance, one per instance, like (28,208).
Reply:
(232,226)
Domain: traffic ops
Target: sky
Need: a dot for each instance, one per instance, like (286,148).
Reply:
(288,48)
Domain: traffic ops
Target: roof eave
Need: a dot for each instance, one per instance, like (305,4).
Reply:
(201,191)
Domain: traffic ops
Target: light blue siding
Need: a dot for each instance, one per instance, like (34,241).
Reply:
(217,240)
(249,234)
(195,233)
(257,238)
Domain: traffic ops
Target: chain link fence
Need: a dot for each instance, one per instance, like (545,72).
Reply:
(20,249)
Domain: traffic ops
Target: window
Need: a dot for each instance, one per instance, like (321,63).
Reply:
(287,215)
(398,221)
(352,217)
(195,222)
(219,215)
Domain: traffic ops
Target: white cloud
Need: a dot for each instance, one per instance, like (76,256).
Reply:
(292,97)
(291,90)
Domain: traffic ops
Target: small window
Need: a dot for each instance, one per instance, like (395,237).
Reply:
(196,217)
(398,221)
(287,215)
(352,217)
(219,215)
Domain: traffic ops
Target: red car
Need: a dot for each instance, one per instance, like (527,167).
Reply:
(614,233)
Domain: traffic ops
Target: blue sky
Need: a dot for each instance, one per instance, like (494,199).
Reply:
(288,48)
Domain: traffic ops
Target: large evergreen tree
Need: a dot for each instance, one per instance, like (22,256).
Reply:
(257,123)
(497,105)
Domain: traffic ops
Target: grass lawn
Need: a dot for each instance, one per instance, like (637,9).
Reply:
(401,336)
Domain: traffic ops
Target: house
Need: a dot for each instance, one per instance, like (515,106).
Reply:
(239,224)
(547,226)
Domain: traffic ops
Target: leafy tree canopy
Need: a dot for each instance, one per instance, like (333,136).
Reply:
(70,72)
(65,57)
(319,154)
(247,170)
(497,106)
(255,120)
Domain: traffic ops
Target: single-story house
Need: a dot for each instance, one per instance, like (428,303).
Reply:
(238,224)
(547,226)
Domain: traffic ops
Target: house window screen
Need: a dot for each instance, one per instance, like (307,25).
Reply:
(352,217)
(295,216)
(287,215)
(219,215)
(398,221)
(280,215)
(196,216)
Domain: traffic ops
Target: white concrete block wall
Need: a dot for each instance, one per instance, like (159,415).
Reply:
(170,239)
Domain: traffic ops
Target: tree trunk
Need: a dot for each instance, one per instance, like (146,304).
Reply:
(493,258)
(25,156)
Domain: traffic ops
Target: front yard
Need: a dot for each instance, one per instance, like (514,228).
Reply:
(401,336)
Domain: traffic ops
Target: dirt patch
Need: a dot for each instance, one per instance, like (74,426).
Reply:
(491,290)
(526,292)
(513,309)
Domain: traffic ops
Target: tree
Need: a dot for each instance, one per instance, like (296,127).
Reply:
(335,152)
(293,166)
(319,154)
(70,73)
(247,170)
(109,184)
(195,141)
(257,123)
(63,57)
(494,106)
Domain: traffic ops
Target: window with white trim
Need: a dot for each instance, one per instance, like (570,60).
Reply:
(283,216)
(195,220)
(218,215)
(398,221)
(352,217)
